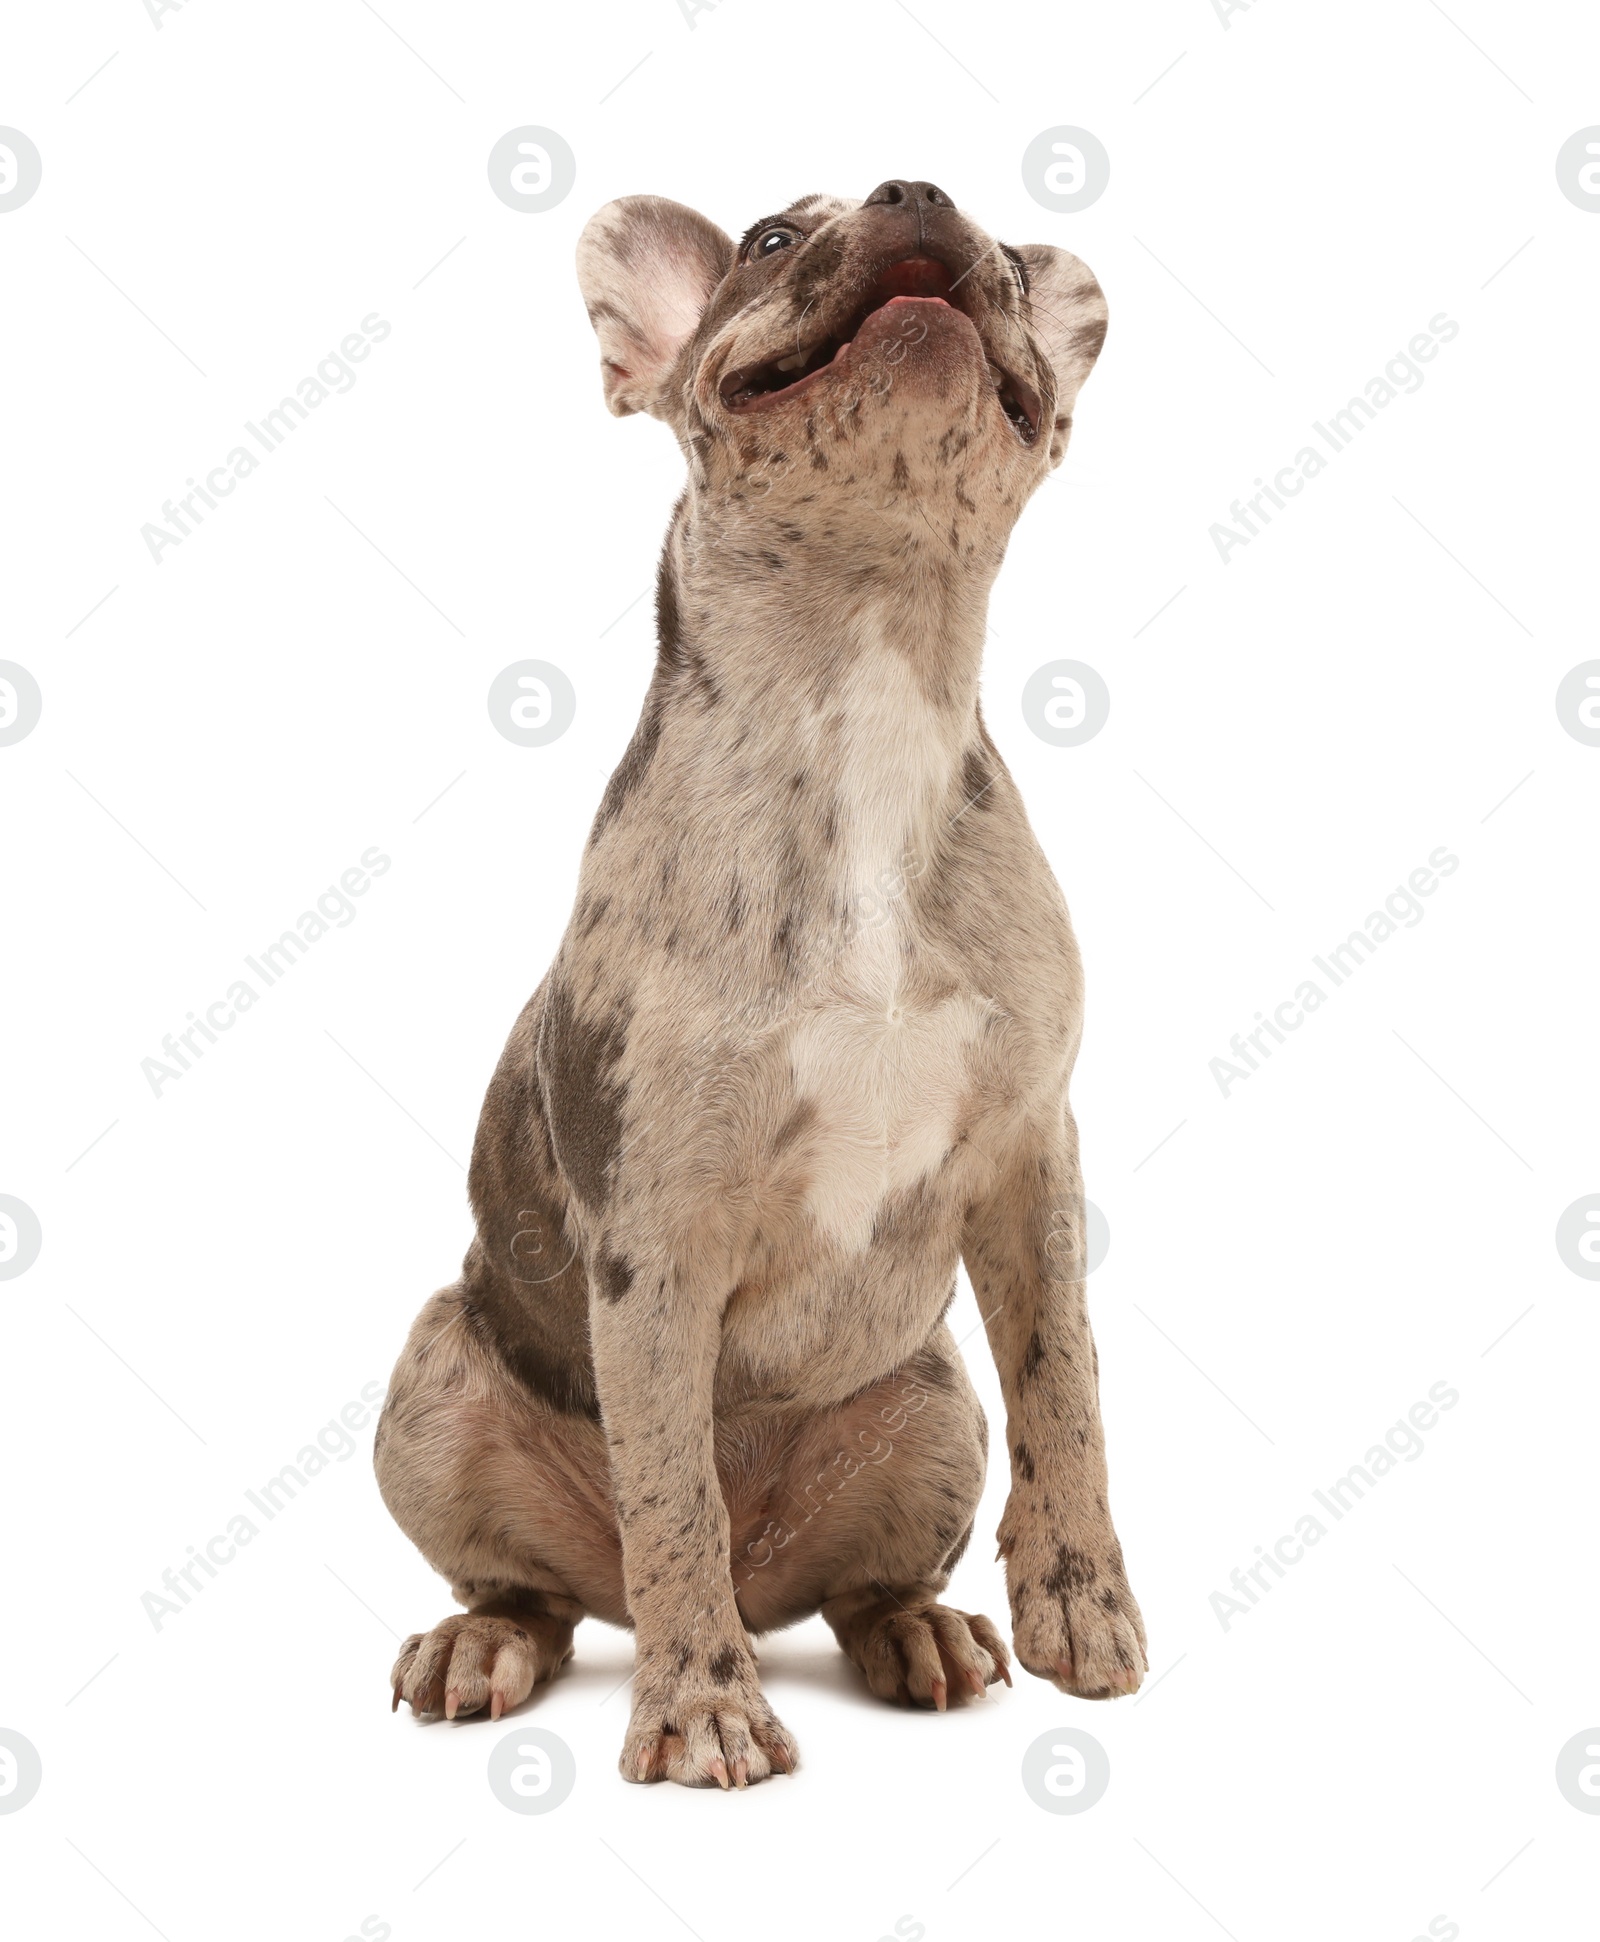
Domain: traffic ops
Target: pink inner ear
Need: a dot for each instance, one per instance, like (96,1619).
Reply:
(621,370)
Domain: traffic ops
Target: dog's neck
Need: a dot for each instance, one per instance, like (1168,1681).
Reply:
(777,606)
(836,663)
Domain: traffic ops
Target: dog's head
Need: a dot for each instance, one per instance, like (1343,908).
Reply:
(888,346)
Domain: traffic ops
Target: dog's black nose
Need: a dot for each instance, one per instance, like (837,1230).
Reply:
(914,192)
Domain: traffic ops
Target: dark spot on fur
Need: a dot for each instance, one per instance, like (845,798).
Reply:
(615,1276)
(578,1059)
(1032,1358)
(1072,1571)
(1108,1599)
(900,475)
(724,1666)
(633,767)
(546,1348)
(1023,1457)
(977,779)
(802,1117)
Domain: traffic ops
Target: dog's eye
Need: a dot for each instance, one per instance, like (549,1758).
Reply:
(773,240)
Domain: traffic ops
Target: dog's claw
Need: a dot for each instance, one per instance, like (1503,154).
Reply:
(452,1702)
(719,1773)
(741,1773)
(644,1764)
(394,1703)
(497,1704)
(941,1695)
(975,1681)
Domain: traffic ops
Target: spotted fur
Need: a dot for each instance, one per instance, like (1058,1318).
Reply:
(804,1047)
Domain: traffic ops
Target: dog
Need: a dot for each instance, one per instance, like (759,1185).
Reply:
(805,1044)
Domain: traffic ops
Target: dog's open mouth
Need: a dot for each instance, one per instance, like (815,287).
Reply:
(915,279)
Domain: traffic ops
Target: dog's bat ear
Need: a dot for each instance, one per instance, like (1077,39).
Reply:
(1067,310)
(647,268)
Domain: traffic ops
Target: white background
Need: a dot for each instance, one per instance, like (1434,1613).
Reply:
(1370,1748)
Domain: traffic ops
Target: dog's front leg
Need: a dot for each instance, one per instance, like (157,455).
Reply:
(1074,1618)
(699,1715)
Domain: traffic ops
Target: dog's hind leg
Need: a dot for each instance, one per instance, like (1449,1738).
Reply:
(863,1514)
(508,1498)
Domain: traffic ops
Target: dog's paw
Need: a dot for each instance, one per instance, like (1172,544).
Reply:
(473,1660)
(1077,1624)
(928,1657)
(706,1725)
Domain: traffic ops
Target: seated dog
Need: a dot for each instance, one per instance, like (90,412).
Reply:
(804,1047)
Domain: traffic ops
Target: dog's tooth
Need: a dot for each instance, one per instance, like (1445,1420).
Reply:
(792,363)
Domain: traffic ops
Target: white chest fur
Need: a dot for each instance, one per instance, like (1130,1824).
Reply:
(885,1074)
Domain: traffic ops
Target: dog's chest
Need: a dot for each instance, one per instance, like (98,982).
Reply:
(881,1053)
